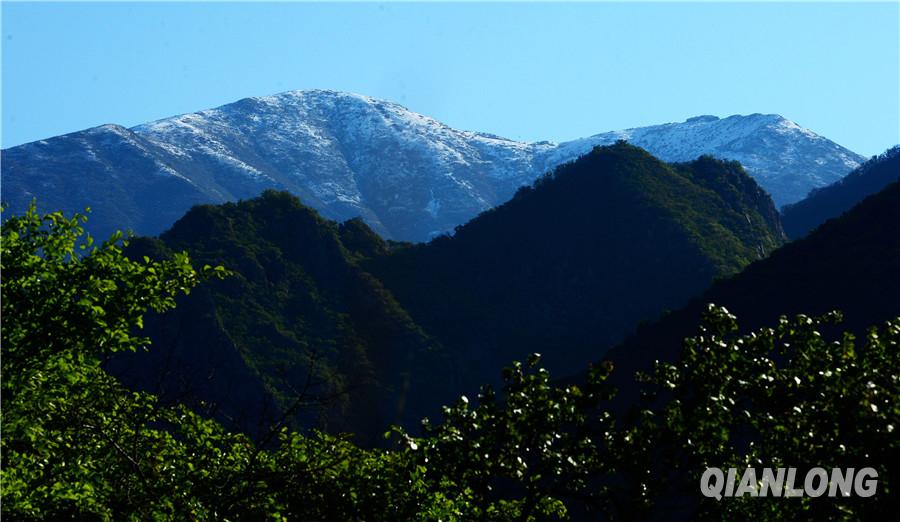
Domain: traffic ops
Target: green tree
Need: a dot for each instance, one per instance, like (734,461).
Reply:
(520,456)
(75,443)
(785,396)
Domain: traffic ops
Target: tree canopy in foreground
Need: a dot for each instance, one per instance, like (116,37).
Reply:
(77,444)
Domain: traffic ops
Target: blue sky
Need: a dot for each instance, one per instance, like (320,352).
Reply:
(524,71)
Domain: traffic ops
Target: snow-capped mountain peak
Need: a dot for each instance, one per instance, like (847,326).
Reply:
(785,158)
(408,175)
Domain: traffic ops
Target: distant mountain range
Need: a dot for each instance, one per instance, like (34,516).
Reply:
(408,176)
(831,201)
(390,331)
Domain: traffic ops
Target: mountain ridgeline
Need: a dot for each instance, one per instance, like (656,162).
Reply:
(408,176)
(388,331)
(850,264)
(829,202)
(573,263)
(299,329)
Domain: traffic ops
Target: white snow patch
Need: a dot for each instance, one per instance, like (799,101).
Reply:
(433,207)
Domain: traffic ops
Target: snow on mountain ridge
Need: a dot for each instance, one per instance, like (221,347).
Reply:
(786,159)
(349,154)
(408,175)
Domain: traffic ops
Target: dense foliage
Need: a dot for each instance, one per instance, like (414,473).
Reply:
(784,396)
(570,266)
(387,332)
(300,328)
(74,441)
(77,444)
(830,202)
(850,263)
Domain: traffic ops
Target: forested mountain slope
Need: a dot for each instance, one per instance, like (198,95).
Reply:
(850,264)
(386,332)
(828,202)
(298,328)
(607,241)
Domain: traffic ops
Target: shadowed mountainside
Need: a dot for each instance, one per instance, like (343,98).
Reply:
(829,202)
(851,264)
